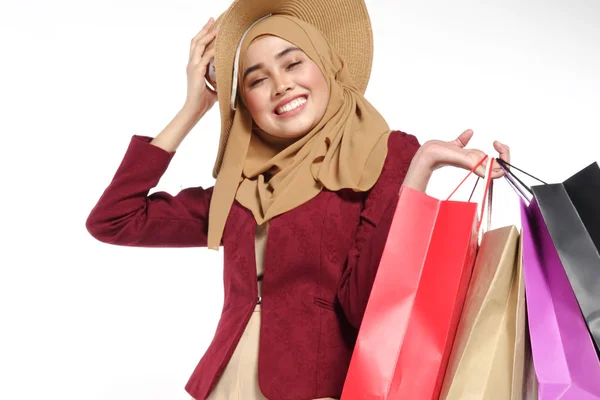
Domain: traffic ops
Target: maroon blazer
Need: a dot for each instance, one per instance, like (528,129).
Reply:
(320,263)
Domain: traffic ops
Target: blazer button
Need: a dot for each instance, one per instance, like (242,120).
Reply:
(259,300)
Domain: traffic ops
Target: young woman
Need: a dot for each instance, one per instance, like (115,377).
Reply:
(307,180)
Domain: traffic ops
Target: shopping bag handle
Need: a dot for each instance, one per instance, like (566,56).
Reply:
(487,193)
(522,190)
(468,175)
(517,184)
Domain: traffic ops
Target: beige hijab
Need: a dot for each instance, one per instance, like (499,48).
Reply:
(270,176)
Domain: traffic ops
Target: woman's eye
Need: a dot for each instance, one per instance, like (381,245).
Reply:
(256,82)
(292,65)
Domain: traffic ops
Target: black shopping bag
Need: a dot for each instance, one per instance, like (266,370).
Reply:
(583,189)
(571,211)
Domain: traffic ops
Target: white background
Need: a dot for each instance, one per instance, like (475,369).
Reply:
(81,319)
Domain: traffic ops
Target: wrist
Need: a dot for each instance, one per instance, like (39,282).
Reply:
(426,158)
(192,111)
(429,154)
(420,170)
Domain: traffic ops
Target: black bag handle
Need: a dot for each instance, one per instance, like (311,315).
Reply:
(506,167)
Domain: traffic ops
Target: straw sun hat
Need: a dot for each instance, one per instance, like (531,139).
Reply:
(345,23)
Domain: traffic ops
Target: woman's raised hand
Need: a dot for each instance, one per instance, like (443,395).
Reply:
(435,154)
(200,98)
(456,154)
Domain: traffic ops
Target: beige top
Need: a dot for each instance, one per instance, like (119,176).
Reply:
(240,378)
(260,245)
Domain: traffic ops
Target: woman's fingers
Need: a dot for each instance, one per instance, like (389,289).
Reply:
(503,151)
(503,154)
(202,65)
(463,139)
(200,47)
(205,29)
(201,39)
(476,156)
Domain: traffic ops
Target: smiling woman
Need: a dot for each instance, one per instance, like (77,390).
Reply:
(307,180)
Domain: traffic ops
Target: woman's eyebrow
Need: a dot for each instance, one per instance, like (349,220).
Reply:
(277,56)
(286,51)
(252,69)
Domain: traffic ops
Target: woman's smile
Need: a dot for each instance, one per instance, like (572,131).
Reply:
(291,107)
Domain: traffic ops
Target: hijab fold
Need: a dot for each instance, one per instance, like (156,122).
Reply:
(270,176)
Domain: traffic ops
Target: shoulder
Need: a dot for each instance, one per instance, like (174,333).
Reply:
(401,150)
(401,147)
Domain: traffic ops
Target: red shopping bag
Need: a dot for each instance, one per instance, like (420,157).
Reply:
(409,325)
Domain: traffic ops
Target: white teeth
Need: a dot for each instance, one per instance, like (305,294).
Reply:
(291,105)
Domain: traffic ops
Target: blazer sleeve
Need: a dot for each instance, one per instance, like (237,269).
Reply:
(126,215)
(375,221)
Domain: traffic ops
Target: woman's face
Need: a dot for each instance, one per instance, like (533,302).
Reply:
(286,92)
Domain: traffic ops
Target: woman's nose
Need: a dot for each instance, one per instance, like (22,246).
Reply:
(282,85)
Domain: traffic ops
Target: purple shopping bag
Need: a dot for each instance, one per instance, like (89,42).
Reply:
(564,356)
